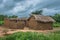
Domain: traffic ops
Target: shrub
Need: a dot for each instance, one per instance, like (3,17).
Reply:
(32,36)
(1,22)
(56,24)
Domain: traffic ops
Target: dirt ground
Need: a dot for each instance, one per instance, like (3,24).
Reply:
(11,31)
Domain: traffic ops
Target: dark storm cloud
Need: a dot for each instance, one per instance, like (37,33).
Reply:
(18,0)
(1,1)
(6,5)
(21,7)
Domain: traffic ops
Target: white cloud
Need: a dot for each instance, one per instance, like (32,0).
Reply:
(47,11)
(32,3)
(18,8)
(27,6)
(1,5)
(4,1)
(22,6)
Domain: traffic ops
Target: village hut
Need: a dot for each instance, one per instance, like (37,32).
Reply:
(15,23)
(40,22)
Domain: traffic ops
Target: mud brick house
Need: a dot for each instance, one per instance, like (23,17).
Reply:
(39,22)
(15,23)
(34,22)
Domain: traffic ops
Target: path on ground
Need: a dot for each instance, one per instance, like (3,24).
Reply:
(18,30)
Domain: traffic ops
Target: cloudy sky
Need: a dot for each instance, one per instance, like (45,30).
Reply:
(25,7)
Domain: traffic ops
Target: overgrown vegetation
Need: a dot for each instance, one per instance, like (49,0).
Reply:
(5,16)
(56,17)
(56,24)
(38,12)
(32,36)
(1,22)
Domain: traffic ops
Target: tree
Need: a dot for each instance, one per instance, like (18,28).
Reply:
(38,12)
(13,16)
(2,17)
(56,17)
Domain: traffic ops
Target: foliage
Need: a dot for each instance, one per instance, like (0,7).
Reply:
(38,12)
(1,22)
(2,17)
(13,16)
(5,16)
(56,24)
(56,17)
(32,36)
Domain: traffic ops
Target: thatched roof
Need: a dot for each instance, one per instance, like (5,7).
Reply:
(43,18)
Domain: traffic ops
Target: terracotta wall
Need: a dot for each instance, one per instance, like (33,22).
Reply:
(21,24)
(6,23)
(13,24)
(44,26)
(32,24)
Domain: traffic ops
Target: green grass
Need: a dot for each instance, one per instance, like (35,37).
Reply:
(32,36)
(1,22)
(56,24)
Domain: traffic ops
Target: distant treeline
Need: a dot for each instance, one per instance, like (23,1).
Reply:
(6,16)
(56,17)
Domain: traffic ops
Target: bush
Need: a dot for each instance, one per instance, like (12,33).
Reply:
(32,36)
(1,22)
(57,24)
